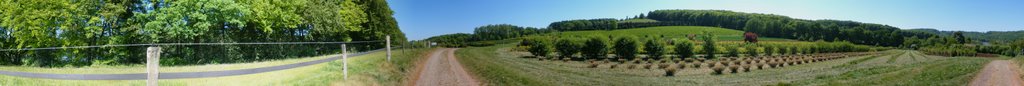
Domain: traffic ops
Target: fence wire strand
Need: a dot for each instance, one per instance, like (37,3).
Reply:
(186,44)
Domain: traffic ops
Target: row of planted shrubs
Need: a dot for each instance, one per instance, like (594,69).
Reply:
(950,50)
(627,47)
(733,64)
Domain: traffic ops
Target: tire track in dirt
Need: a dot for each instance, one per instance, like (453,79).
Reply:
(998,73)
(441,68)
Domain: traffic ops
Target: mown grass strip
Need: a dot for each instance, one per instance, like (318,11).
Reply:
(894,57)
(912,57)
(858,61)
(481,62)
(946,72)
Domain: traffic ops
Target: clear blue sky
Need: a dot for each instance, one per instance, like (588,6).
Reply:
(420,19)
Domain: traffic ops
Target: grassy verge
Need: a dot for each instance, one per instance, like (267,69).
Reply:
(945,72)
(858,61)
(484,62)
(497,65)
(366,70)
(105,69)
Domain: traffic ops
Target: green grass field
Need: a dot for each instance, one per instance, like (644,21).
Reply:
(668,31)
(366,70)
(498,65)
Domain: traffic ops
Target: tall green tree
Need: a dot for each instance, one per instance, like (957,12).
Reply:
(684,48)
(709,44)
(52,23)
(567,47)
(596,48)
(626,47)
(654,48)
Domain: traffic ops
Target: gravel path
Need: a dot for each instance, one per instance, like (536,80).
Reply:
(443,69)
(998,73)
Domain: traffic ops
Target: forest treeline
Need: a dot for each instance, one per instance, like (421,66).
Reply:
(777,26)
(767,25)
(989,36)
(65,23)
(486,35)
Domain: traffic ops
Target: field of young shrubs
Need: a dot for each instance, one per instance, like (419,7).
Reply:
(678,53)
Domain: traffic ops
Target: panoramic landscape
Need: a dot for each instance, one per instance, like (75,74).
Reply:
(510,43)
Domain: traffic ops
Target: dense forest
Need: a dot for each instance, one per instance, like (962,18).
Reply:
(66,23)
(485,35)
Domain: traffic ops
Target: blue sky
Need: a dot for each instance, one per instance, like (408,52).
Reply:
(420,19)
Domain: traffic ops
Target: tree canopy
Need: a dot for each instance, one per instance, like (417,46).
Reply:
(64,23)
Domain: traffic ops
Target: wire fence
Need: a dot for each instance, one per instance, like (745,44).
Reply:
(177,54)
(186,44)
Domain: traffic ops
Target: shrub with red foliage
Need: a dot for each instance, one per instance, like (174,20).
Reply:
(750,37)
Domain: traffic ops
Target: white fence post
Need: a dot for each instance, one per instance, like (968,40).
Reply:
(344,61)
(388,44)
(152,65)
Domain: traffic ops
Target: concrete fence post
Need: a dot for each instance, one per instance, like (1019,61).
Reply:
(152,65)
(344,61)
(387,40)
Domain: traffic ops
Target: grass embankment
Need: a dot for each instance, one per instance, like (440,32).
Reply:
(367,70)
(498,65)
(668,31)
(1019,60)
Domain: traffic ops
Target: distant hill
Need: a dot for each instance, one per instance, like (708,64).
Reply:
(997,36)
(665,31)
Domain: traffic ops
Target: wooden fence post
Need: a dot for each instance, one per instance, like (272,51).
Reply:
(152,65)
(388,44)
(344,61)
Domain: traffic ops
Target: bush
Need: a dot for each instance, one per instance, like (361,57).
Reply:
(785,50)
(709,44)
(539,46)
(954,50)
(671,71)
(655,48)
(1017,48)
(769,51)
(626,47)
(733,52)
(567,47)
(684,48)
(752,51)
(717,68)
(596,47)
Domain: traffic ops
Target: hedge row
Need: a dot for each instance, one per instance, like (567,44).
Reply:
(628,47)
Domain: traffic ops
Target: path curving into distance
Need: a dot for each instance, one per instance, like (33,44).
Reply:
(441,68)
(998,73)
(176,75)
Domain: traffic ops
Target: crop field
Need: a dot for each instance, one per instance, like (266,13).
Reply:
(500,65)
(667,31)
(366,70)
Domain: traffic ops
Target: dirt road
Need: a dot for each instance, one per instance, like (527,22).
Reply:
(442,69)
(998,73)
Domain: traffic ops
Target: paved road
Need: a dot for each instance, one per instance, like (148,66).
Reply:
(176,75)
(998,73)
(443,69)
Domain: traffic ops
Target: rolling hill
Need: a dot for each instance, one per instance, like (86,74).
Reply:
(666,31)
(997,36)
